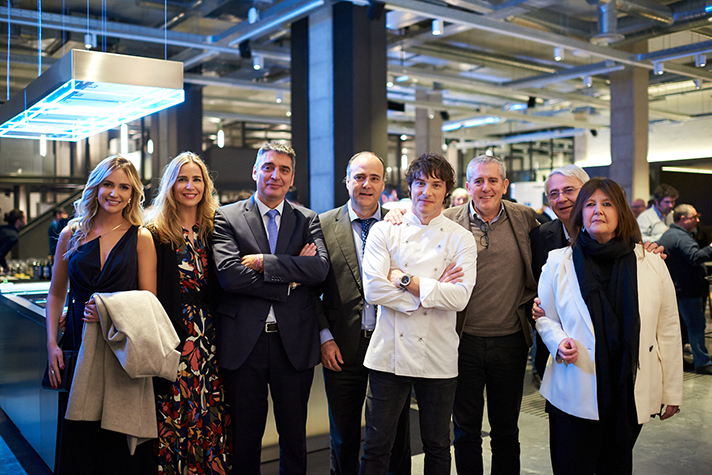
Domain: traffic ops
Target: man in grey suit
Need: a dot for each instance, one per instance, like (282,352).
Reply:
(346,321)
(264,248)
(494,328)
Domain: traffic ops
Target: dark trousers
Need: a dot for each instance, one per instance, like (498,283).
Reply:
(496,364)
(585,447)
(386,395)
(246,386)
(346,392)
(692,312)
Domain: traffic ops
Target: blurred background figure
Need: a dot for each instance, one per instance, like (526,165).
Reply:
(390,193)
(55,227)
(9,234)
(459,197)
(638,206)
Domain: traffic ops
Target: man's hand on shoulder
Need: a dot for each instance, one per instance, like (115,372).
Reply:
(331,356)
(395,216)
(654,248)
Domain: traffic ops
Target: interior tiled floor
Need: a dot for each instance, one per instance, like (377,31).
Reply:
(681,445)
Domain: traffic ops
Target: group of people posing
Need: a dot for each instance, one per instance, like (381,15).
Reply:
(425,299)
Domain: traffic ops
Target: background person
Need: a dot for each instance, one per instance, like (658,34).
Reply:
(193,419)
(9,234)
(655,220)
(55,227)
(685,262)
(638,206)
(459,197)
(604,285)
(102,249)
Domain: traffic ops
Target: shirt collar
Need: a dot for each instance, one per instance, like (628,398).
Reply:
(264,208)
(410,217)
(353,216)
(474,214)
(660,215)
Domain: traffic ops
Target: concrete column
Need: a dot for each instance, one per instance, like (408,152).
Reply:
(177,129)
(339,103)
(428,132)
(629,128)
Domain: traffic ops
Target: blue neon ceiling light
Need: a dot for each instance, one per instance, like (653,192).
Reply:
(88,92)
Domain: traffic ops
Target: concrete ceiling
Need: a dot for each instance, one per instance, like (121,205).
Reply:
(479,62)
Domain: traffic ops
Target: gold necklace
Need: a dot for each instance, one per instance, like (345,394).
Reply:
(112,230)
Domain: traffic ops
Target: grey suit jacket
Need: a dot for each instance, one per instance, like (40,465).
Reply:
(523,220)
(243,307)
(341,306)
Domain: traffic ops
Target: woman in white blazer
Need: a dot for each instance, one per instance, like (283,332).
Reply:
(612,328)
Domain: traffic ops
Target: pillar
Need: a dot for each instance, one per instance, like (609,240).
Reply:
(629,128)
(339,104)
(428,132)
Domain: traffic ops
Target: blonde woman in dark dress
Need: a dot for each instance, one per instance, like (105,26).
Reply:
(192,414)
(103,249)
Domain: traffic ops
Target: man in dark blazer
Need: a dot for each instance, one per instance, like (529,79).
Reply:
(562,187)
(346,322)
(267,253)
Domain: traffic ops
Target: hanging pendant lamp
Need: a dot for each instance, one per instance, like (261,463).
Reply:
(87,92)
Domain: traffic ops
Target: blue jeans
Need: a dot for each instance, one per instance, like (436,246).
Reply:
(497,364)
(386,395)
(692,312)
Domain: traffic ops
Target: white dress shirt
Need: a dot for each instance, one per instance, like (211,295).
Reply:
(416,336)
(263,208)
(652,224)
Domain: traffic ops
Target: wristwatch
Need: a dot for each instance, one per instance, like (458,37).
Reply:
(405,281)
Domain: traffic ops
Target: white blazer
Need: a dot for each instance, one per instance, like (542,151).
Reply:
(572,388)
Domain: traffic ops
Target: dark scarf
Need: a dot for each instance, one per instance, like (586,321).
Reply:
(608,278)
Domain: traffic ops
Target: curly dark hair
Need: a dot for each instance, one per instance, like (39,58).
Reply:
(431,165)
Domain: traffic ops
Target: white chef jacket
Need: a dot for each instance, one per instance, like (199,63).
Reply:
(416,336)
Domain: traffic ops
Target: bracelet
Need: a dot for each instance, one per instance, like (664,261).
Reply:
(258,262)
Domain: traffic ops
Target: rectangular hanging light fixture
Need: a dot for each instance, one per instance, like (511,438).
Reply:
(87,92)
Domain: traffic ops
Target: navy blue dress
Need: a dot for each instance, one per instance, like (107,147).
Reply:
(83,447)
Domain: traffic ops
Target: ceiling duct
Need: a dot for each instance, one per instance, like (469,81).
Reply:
(687,15)
(87,92)
(607,25)
(647,9)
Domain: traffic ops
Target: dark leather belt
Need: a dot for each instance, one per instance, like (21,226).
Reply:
(271,328)
(366,333)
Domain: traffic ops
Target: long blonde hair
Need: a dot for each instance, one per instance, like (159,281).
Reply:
(163,219)
(86,207)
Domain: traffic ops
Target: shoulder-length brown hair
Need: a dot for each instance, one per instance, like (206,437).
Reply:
(163,216)
(627,229)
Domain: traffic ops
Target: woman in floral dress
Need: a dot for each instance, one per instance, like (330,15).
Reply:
(193,418)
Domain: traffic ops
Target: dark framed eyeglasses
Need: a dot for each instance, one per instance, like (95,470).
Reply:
(484,239)
(568,192)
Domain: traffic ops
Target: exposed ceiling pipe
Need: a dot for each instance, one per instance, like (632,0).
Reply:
(607,24)
(647,9)
(687,15)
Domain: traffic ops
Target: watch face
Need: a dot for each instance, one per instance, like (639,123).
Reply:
(405,281)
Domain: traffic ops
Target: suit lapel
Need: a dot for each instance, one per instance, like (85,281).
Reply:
(286,228)
(345,237)
(256,225)
(556,238)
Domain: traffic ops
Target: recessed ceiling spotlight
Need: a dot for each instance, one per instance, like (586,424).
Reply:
(558,53)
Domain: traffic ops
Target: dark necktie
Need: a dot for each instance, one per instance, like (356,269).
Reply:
(272,231)
(365,228)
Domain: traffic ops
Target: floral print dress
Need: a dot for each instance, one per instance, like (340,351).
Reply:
(193,418)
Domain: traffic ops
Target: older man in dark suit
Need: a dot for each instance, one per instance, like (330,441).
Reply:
(346,321)
(562,187)
(264,248)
